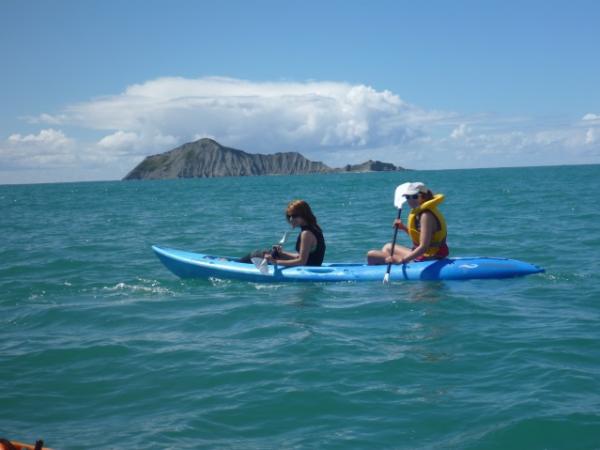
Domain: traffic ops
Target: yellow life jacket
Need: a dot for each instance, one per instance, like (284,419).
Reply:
(414,228)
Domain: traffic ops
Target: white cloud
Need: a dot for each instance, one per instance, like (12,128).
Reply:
(265,116)
(460,131)
(52,149)
(49,137)
(48,148)
(120,139)
(334,122)
(134,143)
(47,119)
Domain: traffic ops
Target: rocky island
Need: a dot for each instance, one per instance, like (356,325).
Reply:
(207,158)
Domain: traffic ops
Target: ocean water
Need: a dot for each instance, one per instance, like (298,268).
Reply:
(102,347)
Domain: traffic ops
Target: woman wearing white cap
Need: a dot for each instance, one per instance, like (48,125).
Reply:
(426,228)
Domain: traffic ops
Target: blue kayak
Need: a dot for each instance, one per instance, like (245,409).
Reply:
(198,265)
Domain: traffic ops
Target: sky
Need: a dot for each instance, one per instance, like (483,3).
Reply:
(90,88)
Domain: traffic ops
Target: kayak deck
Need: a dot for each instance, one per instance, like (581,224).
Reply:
(187,264)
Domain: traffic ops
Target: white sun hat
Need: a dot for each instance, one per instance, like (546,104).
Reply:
(415,188)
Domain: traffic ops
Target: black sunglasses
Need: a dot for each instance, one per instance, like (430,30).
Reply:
(292,216)
(411,197)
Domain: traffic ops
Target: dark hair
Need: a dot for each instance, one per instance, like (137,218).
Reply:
(302,209)
(427,195)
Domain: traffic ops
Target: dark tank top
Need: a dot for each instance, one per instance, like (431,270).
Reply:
(315,258)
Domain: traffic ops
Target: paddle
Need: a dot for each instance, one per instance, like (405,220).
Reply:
(261,263)
(399,200)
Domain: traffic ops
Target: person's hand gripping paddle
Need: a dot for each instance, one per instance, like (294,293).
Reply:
(399,200)
(261,263)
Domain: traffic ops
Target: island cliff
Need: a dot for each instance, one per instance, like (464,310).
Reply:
(206,158)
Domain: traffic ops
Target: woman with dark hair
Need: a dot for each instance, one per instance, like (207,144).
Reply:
(426,228)
(310,246)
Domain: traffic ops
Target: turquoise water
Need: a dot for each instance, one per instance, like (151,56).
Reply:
(102,347)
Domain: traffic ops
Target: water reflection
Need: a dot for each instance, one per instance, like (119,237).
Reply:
(429,292)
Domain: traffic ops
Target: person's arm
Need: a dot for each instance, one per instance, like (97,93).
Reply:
(427,227)
(277,253)
(307,241)
(400,225)
(281,254)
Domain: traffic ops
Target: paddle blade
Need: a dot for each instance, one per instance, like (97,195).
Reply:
(386,278)
(399,197)
(284,238)
(261,264)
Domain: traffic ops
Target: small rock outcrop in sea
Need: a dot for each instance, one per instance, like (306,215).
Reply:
(207,158)
(371,166)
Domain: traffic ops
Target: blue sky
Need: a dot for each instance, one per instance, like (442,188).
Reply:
(89,88)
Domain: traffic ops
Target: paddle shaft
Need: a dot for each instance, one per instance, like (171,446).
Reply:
(389,267)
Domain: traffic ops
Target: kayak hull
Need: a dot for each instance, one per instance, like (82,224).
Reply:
(187,264)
